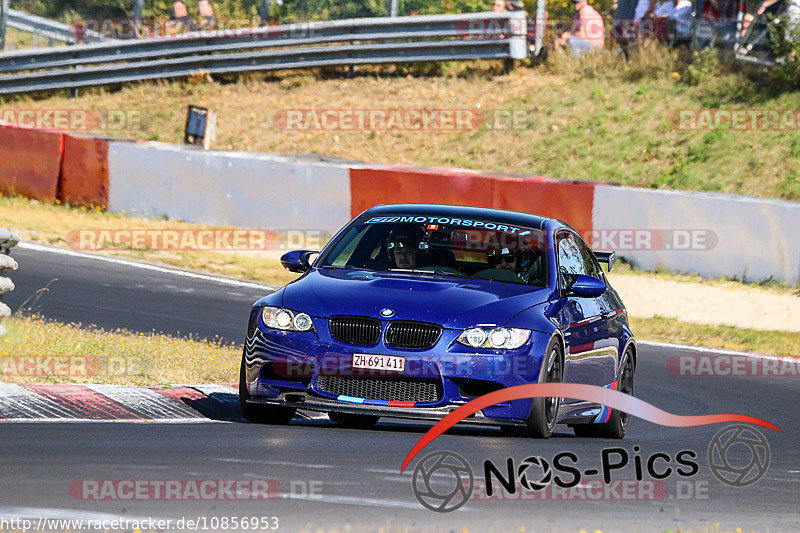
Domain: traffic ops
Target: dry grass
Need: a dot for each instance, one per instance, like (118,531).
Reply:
(38,350)
(16,40)
(730,338)
(50,224)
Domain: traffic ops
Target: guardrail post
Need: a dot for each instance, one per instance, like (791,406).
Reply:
(4,7)
(138,8)
(7,241)
(518,38)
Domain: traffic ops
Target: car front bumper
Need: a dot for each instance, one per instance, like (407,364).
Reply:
(283,368)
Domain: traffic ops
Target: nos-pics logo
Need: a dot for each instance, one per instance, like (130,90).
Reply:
(443,481)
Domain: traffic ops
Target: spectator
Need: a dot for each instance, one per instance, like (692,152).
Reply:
(624,26)
(678,16)
(207,12)
(644,10)
(588,31)
(180,12)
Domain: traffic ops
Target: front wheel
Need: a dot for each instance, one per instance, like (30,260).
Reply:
(260,414)
(544,412)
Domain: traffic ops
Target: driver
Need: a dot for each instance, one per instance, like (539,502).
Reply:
(403,247)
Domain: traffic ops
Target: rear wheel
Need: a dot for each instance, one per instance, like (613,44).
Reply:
(260,414)
(353,421)
(617,424)
(544,411)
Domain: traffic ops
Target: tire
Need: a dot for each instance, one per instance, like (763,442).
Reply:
(618,422)
(544,411)
(260,414)
(353,421)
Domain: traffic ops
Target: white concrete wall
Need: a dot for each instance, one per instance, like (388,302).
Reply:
(757,238)
(220,188)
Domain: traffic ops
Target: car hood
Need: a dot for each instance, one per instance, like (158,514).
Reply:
(449,301)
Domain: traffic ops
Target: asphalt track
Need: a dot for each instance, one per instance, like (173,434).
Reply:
(333,477)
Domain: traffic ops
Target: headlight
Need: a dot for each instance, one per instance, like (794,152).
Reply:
(494,337)
(285,319)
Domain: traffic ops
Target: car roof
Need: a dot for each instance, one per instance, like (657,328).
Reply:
(462,211)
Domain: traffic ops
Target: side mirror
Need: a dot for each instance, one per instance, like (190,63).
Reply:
(297,260)
(587,286)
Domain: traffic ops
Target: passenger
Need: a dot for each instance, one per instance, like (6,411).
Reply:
(504,259)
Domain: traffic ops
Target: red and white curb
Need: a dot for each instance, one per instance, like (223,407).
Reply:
(67,402)
(62,401)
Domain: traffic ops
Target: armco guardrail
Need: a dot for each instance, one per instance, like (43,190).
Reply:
(7,241)
(47,28)
(372,41)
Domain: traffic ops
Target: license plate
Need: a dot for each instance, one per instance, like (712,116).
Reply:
(391,363)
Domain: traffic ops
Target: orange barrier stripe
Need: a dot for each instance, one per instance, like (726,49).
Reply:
(30,162)
(568,201)
(84,171)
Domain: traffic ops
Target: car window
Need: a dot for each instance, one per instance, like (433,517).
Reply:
(592,268)
(570,260)
(462,248)
(345,247)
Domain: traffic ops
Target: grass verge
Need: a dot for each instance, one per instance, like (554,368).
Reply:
(38,350)
(597,118)
(51,224)
(727,337)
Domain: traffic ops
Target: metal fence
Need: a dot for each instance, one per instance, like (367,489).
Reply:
(49,29)
(335,43)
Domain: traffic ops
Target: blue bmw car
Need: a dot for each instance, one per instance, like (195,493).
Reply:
(413,310)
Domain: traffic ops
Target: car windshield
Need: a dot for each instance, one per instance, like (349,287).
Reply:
(479,249)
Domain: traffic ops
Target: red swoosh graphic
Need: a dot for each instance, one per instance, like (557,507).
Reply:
(590,393)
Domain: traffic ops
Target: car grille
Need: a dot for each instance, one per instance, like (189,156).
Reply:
(413,335)
(397,389)
(360,330)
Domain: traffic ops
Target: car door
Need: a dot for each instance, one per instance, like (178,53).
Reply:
(589,358)
(610,308)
